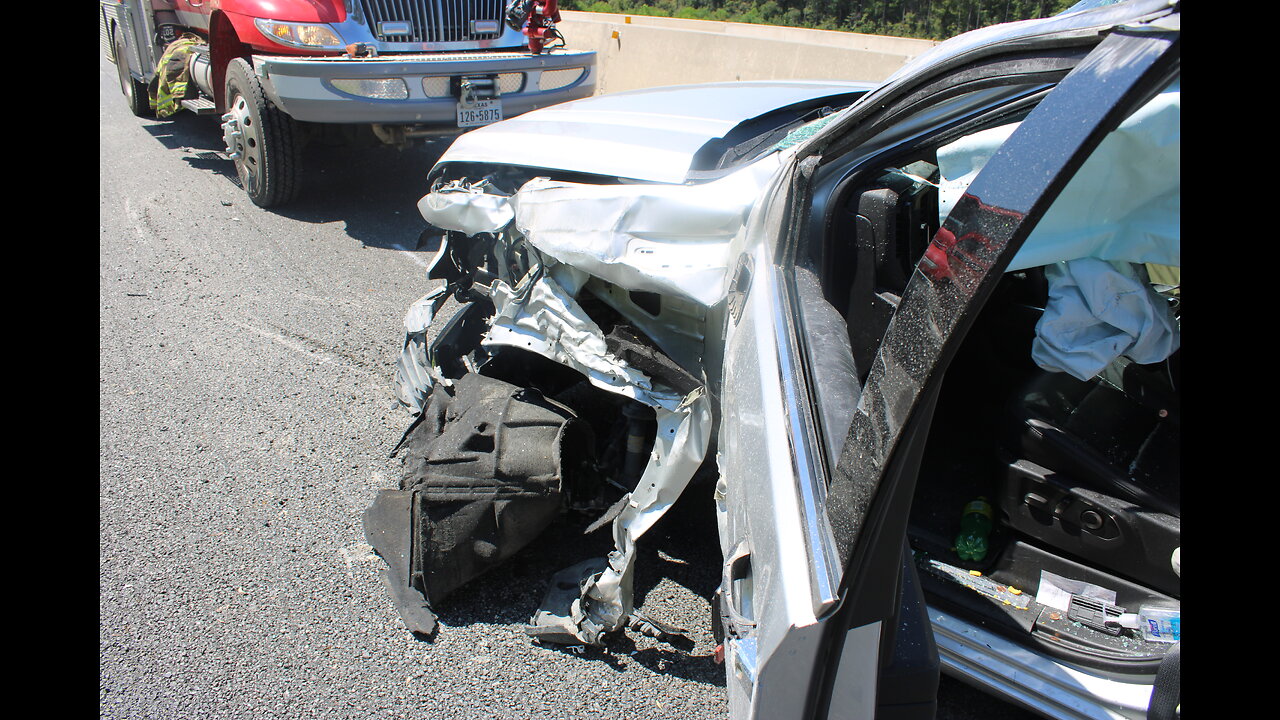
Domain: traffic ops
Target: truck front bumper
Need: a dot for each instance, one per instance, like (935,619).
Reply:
(304,87)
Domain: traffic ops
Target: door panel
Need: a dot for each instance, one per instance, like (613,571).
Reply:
(795,646)
(869,497)
(781,574)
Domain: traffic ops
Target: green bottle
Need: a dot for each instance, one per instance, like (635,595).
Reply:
(975,523)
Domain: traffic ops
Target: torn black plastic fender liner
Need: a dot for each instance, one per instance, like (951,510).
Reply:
(485,471)
(637,350)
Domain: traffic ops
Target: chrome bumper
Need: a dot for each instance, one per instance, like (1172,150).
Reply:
(303,86)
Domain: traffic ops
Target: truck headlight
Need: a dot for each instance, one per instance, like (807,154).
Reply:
(299,35)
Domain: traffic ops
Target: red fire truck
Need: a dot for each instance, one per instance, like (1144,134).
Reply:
(279,72)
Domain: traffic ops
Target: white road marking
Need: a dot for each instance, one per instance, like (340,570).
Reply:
(358,552)
(298,347)
(416,258)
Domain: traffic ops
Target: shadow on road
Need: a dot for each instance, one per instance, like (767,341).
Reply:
(373,189)
(673,661)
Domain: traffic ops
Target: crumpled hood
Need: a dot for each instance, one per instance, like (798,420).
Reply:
(650,135)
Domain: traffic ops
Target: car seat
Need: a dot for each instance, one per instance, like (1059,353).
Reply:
(1096,468)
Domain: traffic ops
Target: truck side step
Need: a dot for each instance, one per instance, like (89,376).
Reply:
(200,106)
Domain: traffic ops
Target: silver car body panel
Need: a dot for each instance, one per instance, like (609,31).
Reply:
(769,496)
(671,240)
(468,208)
(648,135)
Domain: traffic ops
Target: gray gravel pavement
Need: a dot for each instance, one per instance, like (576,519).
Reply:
(246,413)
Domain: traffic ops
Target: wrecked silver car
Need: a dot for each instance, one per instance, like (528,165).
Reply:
(613,282)
(919,340)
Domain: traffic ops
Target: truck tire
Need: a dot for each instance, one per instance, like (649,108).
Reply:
(261,139)
(135,93)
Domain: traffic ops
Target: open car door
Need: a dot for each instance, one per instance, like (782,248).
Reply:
(820,608)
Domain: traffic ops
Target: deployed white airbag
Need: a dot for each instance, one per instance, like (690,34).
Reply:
(1123,204)
(1098,311)
(1120,210)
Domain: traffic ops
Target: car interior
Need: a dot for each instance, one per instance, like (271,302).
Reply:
(1080,477)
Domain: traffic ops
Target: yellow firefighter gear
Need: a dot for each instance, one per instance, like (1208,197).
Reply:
(169,86)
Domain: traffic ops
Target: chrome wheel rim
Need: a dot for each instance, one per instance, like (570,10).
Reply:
(243,137)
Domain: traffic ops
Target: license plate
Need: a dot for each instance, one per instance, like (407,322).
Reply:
(480,113)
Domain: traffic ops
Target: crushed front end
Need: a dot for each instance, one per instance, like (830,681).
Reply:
(573,376)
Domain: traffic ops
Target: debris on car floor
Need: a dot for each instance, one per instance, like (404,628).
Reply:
(974,580)
(571,374)
(1069,610)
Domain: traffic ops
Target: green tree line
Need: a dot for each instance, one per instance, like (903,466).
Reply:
(931,19)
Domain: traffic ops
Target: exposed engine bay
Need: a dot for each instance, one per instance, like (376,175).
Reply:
(554,387)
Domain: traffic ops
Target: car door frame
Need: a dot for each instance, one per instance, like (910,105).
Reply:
(858,522)
(870,494)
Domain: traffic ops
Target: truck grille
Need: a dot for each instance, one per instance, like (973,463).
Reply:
(433,20)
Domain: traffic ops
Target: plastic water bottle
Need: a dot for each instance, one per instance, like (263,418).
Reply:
(975,525)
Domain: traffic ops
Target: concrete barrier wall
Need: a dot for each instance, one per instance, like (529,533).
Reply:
(636,51)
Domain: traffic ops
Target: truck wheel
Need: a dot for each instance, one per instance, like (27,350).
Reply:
(261,139)
(135,93)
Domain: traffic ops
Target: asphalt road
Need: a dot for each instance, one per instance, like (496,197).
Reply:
(246,415)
